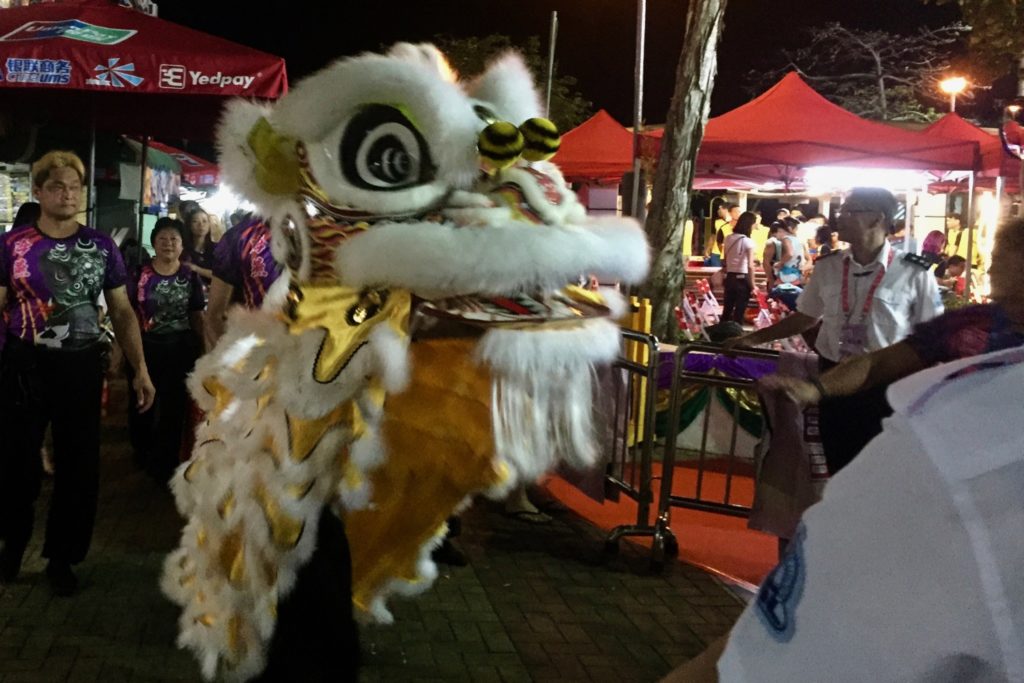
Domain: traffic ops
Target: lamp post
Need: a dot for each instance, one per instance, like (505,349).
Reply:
(953,86)
(636,201)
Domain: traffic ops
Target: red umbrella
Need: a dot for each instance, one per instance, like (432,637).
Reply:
(136,73)
(106,66)
(195,171)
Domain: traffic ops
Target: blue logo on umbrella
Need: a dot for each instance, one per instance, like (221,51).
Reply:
(115,75)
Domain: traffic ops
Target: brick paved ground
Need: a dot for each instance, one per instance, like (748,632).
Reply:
(537,602)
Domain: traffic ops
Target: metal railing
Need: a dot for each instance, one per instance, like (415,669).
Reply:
(633,417)
(681,379)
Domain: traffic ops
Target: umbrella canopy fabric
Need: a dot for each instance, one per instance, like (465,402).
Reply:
(598,149)
(158,158)
(132,72)
(790,126)
(195,171)
(994,159)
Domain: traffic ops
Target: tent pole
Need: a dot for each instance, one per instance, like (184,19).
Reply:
(638,103)
(908,231)
(90,200)
(142,197)
(970,237)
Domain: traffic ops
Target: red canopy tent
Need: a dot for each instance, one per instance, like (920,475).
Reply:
(599,149)
(790,127)
(995,162)
(133,73)
(195,171)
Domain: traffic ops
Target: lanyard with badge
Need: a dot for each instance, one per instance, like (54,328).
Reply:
(853,339)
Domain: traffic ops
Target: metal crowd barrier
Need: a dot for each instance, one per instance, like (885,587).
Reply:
(632,434)
(664,542)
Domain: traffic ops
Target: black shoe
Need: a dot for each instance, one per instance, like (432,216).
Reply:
(10,564)
(447,553)
(63,581)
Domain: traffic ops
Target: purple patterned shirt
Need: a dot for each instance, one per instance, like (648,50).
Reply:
(244,261)
(53,285)
(964,332)
(164,302)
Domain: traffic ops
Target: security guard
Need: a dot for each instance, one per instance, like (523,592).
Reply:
(867,297)
(909,570)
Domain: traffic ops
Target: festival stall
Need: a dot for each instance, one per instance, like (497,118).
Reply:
(998,179)
(15,190)
(791,138)
(596,154)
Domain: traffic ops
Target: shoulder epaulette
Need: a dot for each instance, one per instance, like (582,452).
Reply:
(918,260)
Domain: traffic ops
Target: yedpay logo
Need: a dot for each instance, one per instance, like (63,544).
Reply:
(175,76)
(172,76)
(46,71)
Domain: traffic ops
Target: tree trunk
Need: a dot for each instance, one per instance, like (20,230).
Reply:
(684,130)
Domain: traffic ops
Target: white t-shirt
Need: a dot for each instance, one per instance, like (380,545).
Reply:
(907,295)
(737,253)
(911,567)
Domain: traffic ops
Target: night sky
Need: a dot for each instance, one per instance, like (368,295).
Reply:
(595,42)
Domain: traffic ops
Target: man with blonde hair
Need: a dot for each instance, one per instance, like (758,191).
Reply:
(52,273)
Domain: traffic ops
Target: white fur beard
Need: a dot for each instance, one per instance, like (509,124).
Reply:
(543,393)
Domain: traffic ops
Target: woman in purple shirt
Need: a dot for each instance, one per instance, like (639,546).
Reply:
(169,300)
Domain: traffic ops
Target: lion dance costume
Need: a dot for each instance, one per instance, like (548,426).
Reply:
(407,205)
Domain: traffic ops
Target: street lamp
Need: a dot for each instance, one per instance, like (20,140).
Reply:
(953,86)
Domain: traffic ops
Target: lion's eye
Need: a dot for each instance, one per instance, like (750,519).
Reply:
(382,150)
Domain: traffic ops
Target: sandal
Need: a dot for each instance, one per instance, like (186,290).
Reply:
(533,517)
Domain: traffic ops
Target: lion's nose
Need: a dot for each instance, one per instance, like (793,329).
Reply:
(501,143)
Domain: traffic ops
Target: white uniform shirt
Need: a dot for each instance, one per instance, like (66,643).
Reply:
(907,295)
(911,567)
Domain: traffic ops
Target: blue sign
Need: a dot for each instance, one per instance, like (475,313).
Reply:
(47,71)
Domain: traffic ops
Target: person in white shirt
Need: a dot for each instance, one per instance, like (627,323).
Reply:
(739,268)
(909,569)
(867,297)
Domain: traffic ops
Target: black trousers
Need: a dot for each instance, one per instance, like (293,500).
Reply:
(316,638)
(737,295)
(157,433)
(848,423)
(61,389)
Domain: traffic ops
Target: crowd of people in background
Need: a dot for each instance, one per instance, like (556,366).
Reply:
(786,251)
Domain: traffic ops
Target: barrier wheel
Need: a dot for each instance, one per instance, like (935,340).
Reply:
(611,548)
(671,546)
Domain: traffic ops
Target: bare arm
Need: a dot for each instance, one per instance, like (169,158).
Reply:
(766,264)
(126,329)
(861,373)
(203,272)
(787,327)
(751,268)
(3,298)
(216,309)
